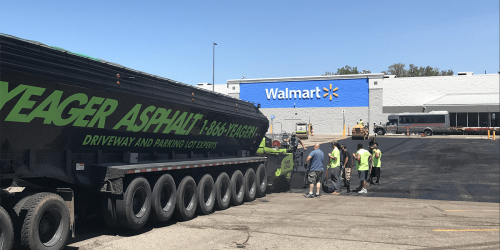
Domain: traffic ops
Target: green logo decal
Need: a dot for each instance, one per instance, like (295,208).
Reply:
(93,111)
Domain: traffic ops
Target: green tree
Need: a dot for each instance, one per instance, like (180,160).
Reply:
(347,70)
(399,70)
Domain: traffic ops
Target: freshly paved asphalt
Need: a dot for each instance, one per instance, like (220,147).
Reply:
(428,168)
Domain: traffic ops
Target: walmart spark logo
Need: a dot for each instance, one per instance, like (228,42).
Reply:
(328,92)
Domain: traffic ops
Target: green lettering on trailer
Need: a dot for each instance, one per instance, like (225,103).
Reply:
(177,125)
(88,110)
(24,103)
(74,112)
(102,113)
(87,140)
(49,114)
(129,119)
(6,96)
(144,119)
(159,119)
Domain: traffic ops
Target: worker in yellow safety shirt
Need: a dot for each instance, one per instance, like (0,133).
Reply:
(377,163)
(334,170)
(362,122)
(362,158)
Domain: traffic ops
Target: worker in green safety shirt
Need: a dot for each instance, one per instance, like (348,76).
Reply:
(362,158)
(333,170)
(377,163)
(362,122)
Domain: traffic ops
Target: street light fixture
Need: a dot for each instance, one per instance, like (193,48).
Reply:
(213,68)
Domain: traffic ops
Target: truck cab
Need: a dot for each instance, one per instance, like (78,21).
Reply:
(391,126)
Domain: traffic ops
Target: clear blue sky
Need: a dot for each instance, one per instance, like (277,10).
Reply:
(264,39)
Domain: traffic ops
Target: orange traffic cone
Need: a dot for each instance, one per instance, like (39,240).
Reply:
(407,131)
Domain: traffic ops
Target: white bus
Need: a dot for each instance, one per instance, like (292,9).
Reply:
(428,123)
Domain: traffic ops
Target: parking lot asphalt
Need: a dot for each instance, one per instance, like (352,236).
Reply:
(435,193)
(428,168)
(290,221)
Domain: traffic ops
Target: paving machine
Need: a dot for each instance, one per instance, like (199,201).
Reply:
(283,159)
(360,132)
(302,130)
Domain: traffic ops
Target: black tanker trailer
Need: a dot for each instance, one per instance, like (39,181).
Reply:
(79,135)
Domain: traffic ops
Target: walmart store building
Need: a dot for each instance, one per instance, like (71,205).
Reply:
(329,101)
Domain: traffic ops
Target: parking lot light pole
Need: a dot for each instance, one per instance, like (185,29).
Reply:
(213,68)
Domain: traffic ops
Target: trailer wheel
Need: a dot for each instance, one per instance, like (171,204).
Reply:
(428,132)
(187,195)
(163,198)
(46,225)
(237,188)
(108,210)
(222,191)
(6,230)
(135,206)
(250,185)
(206,194)
(261,176)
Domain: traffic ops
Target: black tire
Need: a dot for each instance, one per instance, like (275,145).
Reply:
(428,132)
(46,224)
(237,188)
(206,195)
(380,131)
(187,199)
(108,210)
(134,207)
(250,184)
(6,230)
(222,191)
(261,176)
(163,198)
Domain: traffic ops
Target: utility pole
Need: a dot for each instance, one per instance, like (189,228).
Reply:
(213,68)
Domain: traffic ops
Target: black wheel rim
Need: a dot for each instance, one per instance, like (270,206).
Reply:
(50,227)
(165,198)
(139,202)
(207,194)
(224,191)
(189,198)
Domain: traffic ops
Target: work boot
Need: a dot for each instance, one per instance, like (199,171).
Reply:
(348,187)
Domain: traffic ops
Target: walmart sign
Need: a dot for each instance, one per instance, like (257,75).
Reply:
(328,93)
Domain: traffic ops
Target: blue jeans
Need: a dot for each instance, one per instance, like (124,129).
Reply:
(335,176)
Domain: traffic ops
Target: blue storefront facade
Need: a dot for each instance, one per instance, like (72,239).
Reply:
(307,94)
(327,102)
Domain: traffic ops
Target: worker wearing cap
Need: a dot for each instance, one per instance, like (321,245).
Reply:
(294,141)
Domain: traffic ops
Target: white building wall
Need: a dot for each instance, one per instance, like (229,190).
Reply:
(219,88)
(324,120)
(416,91)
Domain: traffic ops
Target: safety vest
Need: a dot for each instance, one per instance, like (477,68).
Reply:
(377,162)
(363,164)
(335,163)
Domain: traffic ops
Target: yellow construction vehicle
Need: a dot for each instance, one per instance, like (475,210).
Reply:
(360,132)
